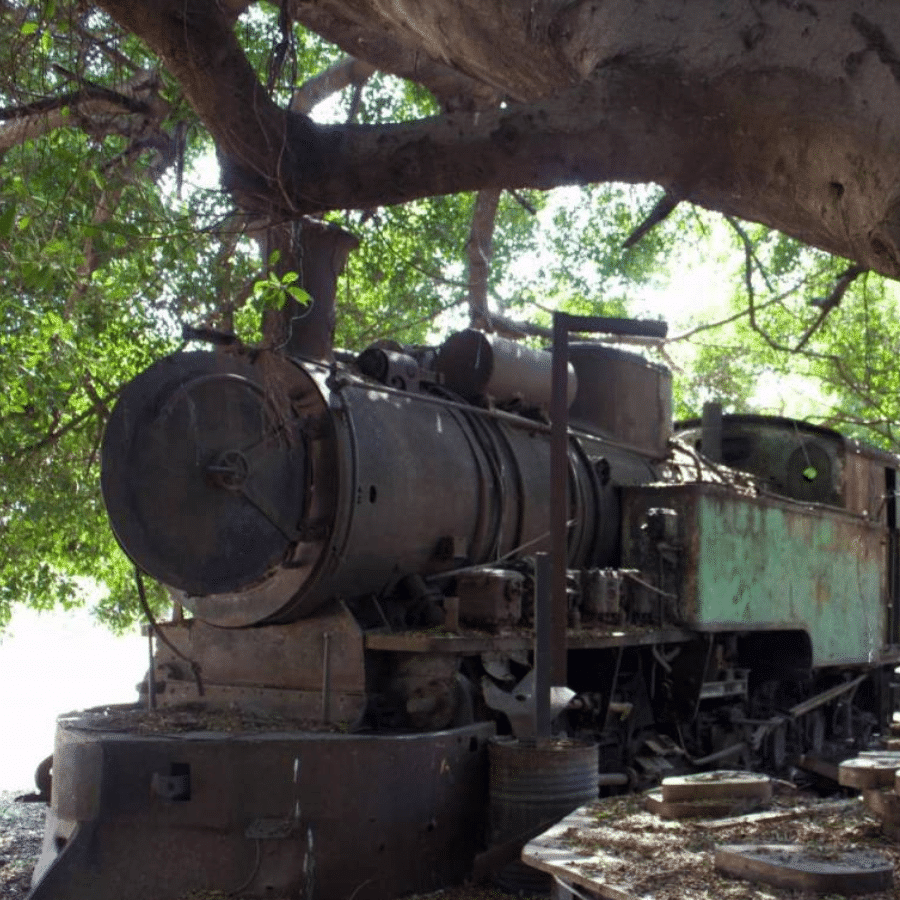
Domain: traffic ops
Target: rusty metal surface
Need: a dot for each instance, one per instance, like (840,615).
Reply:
(471,644)
(865,485)
(268,814)
(260,490)
(765,563)
(789,457)
(533,783)
(624,395)
(203,490)
(312,669)
(474,364)
(560,510)
(490,597)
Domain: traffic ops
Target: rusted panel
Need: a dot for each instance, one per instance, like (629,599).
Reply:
(764,563)
(341,706)
(623,395)
(788,457)
(864,486)
(309,668)
(401,814)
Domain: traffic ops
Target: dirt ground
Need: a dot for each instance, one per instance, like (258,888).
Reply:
(21,831)
(21,827)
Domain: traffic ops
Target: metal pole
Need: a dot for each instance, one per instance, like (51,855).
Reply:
(543,615)
(559,496)
(563,323)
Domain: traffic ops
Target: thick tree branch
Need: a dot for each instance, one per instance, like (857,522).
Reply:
(753,131)
(93,107)
(331,81)
(661,210)
(268,154)
(386,51)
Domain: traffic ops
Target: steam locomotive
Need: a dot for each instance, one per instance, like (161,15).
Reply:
(354,541)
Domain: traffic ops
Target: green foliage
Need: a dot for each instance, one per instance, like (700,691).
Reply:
(99,266)
(106,251)
(789,345)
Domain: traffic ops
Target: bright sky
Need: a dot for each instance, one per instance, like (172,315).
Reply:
(51,663)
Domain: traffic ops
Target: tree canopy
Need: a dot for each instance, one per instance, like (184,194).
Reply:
(148,149)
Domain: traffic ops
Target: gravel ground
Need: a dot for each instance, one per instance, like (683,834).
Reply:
(21,831)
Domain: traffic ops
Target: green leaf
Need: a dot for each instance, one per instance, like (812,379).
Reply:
(7,218)
(29,27)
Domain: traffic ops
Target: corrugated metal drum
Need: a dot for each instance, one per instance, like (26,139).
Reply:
(531,783)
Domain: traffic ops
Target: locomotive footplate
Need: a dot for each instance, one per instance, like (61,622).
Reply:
(471,643)
(145,811)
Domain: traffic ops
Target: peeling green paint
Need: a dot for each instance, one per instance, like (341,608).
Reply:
(751,563)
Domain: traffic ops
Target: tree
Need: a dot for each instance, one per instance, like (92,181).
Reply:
(779,112)
(776,112)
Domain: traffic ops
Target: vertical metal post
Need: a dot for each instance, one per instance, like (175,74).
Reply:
(711,431)
(559,496)
(543,615)
(563,323)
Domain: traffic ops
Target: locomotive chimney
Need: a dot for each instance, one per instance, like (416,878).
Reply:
(308,331)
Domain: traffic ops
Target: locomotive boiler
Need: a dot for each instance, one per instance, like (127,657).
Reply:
(350,543)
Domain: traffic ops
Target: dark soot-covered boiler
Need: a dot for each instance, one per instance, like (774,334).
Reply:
(354,539)
(260,490)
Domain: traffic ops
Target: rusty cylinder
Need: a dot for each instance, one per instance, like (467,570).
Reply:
(475,364)
(533,783)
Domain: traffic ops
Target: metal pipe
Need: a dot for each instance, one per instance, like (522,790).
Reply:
(658,656)
(543,621)
(151,673)
(711,431)
(559,496)
(612,779)
(801,709)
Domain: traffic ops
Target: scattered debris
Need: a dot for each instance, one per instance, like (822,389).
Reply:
(21,831)
(615,848)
